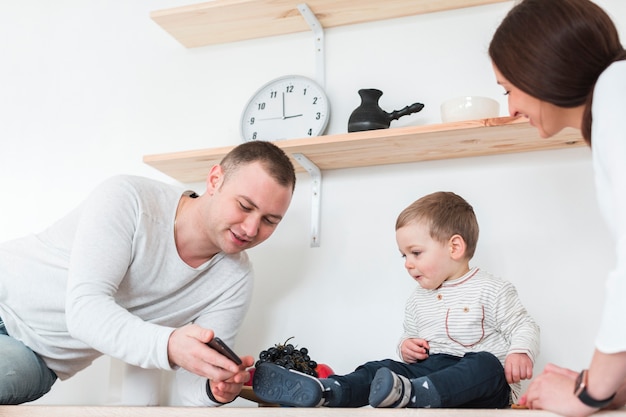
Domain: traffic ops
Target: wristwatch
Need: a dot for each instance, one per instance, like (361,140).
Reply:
(581,392)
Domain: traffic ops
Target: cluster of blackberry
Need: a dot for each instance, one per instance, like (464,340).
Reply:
(288,356)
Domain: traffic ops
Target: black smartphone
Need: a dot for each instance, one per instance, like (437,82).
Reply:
(219,345)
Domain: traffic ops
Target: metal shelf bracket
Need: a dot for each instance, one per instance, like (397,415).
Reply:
(318,32)
(316,193)
(306,163)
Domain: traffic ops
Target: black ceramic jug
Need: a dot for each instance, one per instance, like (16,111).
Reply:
(369,115)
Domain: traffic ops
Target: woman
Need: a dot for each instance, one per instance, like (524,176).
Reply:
(562,65)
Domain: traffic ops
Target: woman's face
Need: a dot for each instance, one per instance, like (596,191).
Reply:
(546,117)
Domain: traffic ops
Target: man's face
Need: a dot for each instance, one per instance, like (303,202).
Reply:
(246,207)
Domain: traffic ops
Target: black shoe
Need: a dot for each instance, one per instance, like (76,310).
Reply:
(278,385)
(389,389)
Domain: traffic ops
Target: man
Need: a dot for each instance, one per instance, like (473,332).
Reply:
(145,273)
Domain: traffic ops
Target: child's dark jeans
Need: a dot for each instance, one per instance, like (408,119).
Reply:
(476,380)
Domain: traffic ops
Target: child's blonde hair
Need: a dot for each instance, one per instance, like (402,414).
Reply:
(446,214)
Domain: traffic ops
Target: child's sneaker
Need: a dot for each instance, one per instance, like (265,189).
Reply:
(278,385)
(389,389)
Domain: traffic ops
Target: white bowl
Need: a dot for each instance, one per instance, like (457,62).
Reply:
(469,108)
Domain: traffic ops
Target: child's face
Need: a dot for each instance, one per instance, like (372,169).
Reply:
(428,261)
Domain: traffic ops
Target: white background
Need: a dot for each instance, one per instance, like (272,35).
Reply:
(89,87)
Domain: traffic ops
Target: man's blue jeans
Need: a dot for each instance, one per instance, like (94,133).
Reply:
(24,376)
(476,380)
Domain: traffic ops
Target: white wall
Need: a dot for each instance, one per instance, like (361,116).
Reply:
(89,87)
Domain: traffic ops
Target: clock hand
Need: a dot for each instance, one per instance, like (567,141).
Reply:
(283,104)
(288,117)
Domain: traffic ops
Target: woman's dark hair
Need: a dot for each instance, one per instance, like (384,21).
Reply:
(555,50)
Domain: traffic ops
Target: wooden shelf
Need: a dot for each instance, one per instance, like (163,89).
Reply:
(222,21)
(386,146)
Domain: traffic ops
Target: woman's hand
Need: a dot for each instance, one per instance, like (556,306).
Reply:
(553,390)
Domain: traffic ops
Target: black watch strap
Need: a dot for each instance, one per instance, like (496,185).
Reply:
(581,393)
(591,402)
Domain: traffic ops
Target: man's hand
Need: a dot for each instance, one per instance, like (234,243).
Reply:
(226,391)
(187,348)
(414,350)
(518,366)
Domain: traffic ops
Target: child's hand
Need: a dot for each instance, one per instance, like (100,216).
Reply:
(518,366)
(414,350)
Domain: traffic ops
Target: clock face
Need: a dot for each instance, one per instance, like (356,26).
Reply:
(286,108)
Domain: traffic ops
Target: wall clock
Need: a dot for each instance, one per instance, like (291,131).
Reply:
(288,107)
